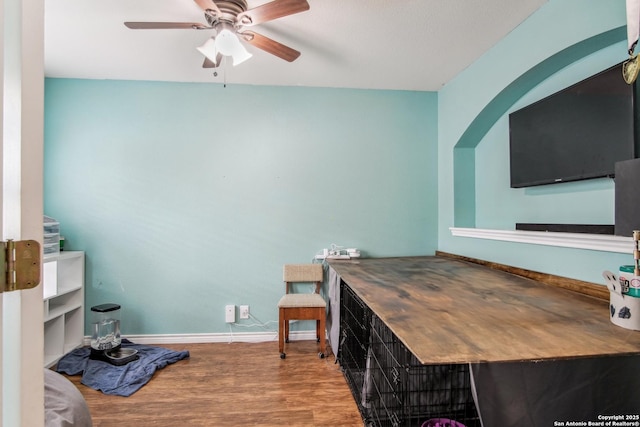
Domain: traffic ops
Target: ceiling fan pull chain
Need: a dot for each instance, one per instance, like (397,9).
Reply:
(224,71)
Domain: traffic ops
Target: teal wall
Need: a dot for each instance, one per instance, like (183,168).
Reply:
(563,42)
(188,197)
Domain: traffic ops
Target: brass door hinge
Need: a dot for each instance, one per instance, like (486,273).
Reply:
(20,264)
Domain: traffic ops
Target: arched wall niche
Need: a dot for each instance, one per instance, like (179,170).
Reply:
(464,162)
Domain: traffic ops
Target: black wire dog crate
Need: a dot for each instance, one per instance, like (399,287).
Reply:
(355,327)
(391,387)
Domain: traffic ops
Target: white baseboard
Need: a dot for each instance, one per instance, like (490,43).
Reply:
(251,337)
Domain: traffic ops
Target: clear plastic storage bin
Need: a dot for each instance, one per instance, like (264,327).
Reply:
(51,239)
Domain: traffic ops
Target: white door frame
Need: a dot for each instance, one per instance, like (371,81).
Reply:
(21,199)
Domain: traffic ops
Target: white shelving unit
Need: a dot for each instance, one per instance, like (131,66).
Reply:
(63,281)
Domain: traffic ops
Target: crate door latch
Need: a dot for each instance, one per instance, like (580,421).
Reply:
(20,264)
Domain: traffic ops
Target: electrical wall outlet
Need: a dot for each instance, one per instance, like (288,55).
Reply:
(230,313)
(244,311)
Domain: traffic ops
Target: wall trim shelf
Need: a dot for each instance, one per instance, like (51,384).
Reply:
(594,242)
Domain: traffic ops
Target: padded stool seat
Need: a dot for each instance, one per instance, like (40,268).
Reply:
(301,300)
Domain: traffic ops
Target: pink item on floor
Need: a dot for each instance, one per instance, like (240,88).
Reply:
(442,422)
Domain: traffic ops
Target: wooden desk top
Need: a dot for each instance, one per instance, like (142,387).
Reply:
(450,311)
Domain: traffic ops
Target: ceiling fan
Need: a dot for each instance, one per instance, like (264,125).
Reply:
(228,19)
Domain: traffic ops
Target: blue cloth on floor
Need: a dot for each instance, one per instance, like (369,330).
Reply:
(118,380)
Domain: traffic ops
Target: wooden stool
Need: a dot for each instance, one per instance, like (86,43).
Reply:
(310,306)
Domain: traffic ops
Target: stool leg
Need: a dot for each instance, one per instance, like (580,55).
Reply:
(323,349)
(286,330)
(281,333)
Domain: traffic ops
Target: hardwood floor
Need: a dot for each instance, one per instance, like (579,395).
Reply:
(236,384)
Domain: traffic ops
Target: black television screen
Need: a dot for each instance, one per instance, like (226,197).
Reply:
(577,133)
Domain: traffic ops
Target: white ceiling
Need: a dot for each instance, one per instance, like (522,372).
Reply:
(367,44)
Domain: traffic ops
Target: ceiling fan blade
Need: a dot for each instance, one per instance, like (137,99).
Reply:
(210,64)
(269,45)
(207,5)
(272,10)
(165,25)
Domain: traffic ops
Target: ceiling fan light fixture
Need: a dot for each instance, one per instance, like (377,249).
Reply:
(208,49)
(228,44)
(240,56)
(225,43)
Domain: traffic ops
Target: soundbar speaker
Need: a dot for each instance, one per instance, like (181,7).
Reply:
(627,197)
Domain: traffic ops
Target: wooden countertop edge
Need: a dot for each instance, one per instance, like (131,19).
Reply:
(585,288)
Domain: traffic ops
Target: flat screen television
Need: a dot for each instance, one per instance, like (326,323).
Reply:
(577,133)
